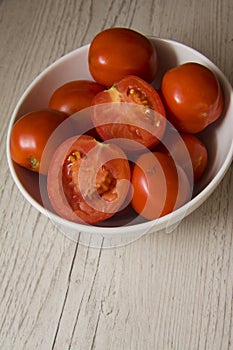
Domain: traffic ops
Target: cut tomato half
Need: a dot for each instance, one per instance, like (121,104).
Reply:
(88,181)
(131,110)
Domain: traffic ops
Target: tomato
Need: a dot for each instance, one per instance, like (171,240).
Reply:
(88,181)
(132,110)
(192,95)
(29,136)
(196,149)
(159,187)
(74,96)
(117,52)
(198,154)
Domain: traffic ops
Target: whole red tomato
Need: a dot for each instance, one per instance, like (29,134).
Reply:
(74,96)
(192,95)
(29,136)
(196,158)
(159,187)
(130,110)
(117,52)
(88,181)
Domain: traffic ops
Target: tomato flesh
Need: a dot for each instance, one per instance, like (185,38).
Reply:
(94,180)
(134,112)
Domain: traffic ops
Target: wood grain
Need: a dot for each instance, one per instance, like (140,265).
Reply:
(164,291)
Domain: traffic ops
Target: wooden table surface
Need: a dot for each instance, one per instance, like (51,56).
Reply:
(161,292)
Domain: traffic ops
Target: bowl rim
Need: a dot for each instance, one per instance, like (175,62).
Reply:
(158,224)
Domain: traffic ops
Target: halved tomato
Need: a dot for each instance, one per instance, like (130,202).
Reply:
(130,110)
(88,181)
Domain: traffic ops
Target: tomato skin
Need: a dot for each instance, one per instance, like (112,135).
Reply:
(198,154)
(159,187)
(74,96)
(68,173)
(196,149)
(117,52)
(192,96)
(29,136)
(134,112)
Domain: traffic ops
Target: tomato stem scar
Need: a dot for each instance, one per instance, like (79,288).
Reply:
(34,163)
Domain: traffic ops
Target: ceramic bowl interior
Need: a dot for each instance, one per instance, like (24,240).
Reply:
(120,230)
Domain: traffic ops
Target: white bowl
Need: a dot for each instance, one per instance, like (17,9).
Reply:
(218,138)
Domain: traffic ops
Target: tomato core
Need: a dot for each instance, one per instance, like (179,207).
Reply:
(105,182)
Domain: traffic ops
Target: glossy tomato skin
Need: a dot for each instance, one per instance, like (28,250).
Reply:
(192,96)
(117,52)
(197,151)
(74,96)
(198,154)
(159,187)
(29,137)
(134,112)
(88,181)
